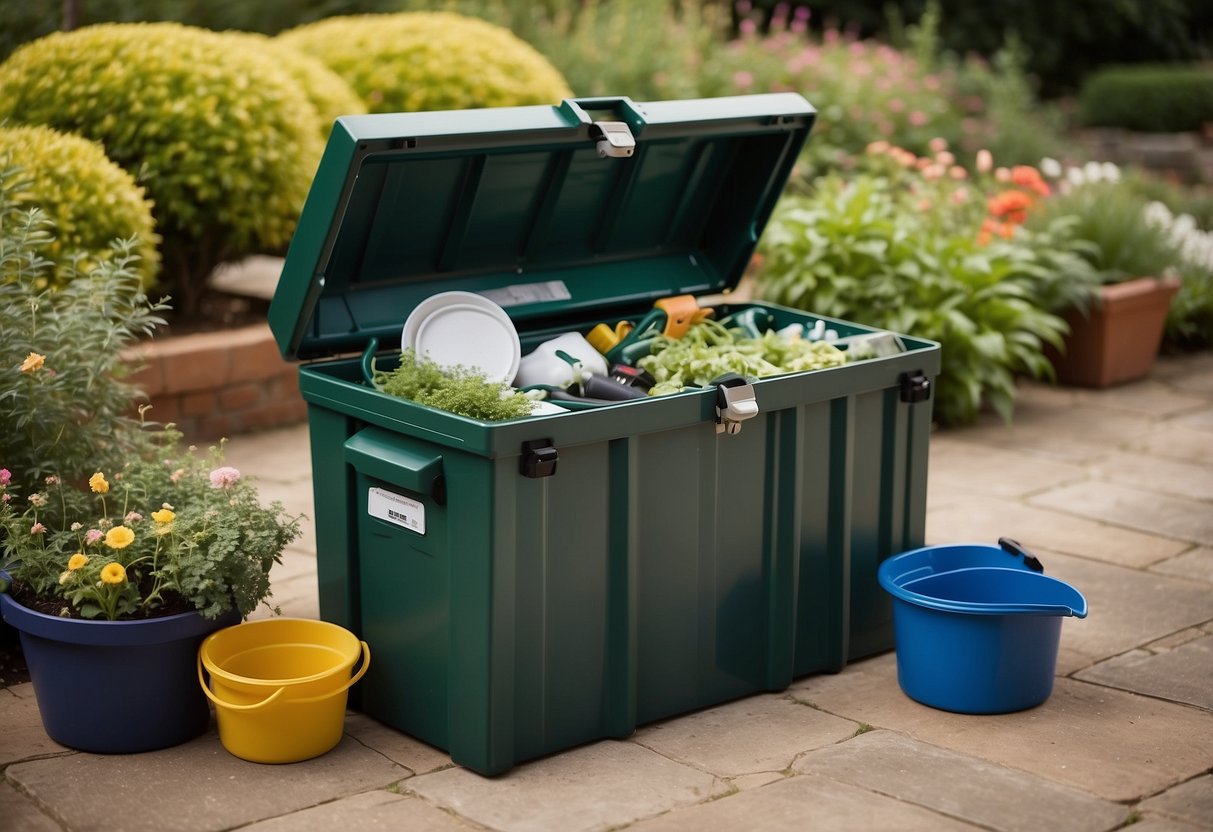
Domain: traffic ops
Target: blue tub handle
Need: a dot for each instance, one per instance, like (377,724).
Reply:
(1014,547)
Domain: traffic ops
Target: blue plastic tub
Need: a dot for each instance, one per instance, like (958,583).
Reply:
(976,626)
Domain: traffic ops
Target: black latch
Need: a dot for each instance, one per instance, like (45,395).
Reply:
(915,387)
(539,458)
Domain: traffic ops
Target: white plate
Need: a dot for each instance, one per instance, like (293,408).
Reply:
(464,328)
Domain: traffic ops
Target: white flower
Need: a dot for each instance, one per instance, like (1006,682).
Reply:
(1050,167)
(1111,172)
(1075,177)
(1093,171)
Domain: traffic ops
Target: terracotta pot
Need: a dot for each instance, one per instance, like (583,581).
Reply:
(1119,339)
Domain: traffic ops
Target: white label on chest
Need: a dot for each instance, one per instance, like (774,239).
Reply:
(397,509)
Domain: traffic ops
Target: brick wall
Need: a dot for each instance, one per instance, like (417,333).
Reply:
(218,384)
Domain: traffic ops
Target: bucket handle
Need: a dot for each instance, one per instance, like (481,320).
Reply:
(273,697)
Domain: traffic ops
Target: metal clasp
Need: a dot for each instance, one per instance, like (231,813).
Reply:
(735,402)
(614,138)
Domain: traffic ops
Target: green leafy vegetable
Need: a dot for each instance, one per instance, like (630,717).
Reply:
(709,350)
(457,389)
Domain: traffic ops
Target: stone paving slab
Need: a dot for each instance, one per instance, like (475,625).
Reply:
(985,519)
(17,812)
(1174,441)
(1156,396)
(752,735)
(1077,433)
(1196,564)
(595,787)
(1200,420)
(1126,607)
(1137,508)
(1116,745)
(396,746)
(1159,823)
(378,810)
(21,732)
(1167,476)
(194,787)
(806,802)
(1190,802)
(1183,674)
(960,786)
(998,472)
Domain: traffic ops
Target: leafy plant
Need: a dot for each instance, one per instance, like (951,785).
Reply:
(64,401)
(219,134)
(1190,319)
(456,389)
(430,61)
(90,200)
(163,528)
(901,248)
(1111,216)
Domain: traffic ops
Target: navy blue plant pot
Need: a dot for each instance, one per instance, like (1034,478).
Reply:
(116,687)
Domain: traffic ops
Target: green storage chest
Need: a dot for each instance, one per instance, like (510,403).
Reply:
(560,579)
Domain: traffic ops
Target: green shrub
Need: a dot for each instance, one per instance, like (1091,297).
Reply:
(430,61)
(221,137)
(1190,320)
(1111,215)
(64,403)
(1149,99)
(328,92)
(645,49)
(90,200)
(907,253)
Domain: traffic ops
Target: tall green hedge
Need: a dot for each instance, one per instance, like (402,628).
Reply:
(1150,99)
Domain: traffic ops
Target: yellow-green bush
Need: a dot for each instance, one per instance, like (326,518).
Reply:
(221,136)
(327,91)
(90,199)
(430,61)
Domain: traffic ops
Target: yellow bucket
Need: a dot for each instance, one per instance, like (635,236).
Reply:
(279,686)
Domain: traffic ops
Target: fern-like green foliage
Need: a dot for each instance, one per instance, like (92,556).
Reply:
(455,389)
(430,61)
(89,199)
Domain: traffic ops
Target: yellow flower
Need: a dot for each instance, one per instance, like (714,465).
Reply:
(119,537)
(113,573)
(164,515)
(33,362)
(77,561)
(98,483)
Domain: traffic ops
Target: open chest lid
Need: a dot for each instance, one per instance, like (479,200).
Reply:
(550,211)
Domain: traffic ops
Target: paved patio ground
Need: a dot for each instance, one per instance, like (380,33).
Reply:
(1114,490)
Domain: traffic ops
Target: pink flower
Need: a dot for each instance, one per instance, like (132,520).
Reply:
(224,477)
(748,27)
(133,517)
(985,161)
(93,536)
(958,173)
(918,118)
(938,144)
(176,476)
(8,498)
(6,476)
(52,480)
(743,80)
(37,528)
